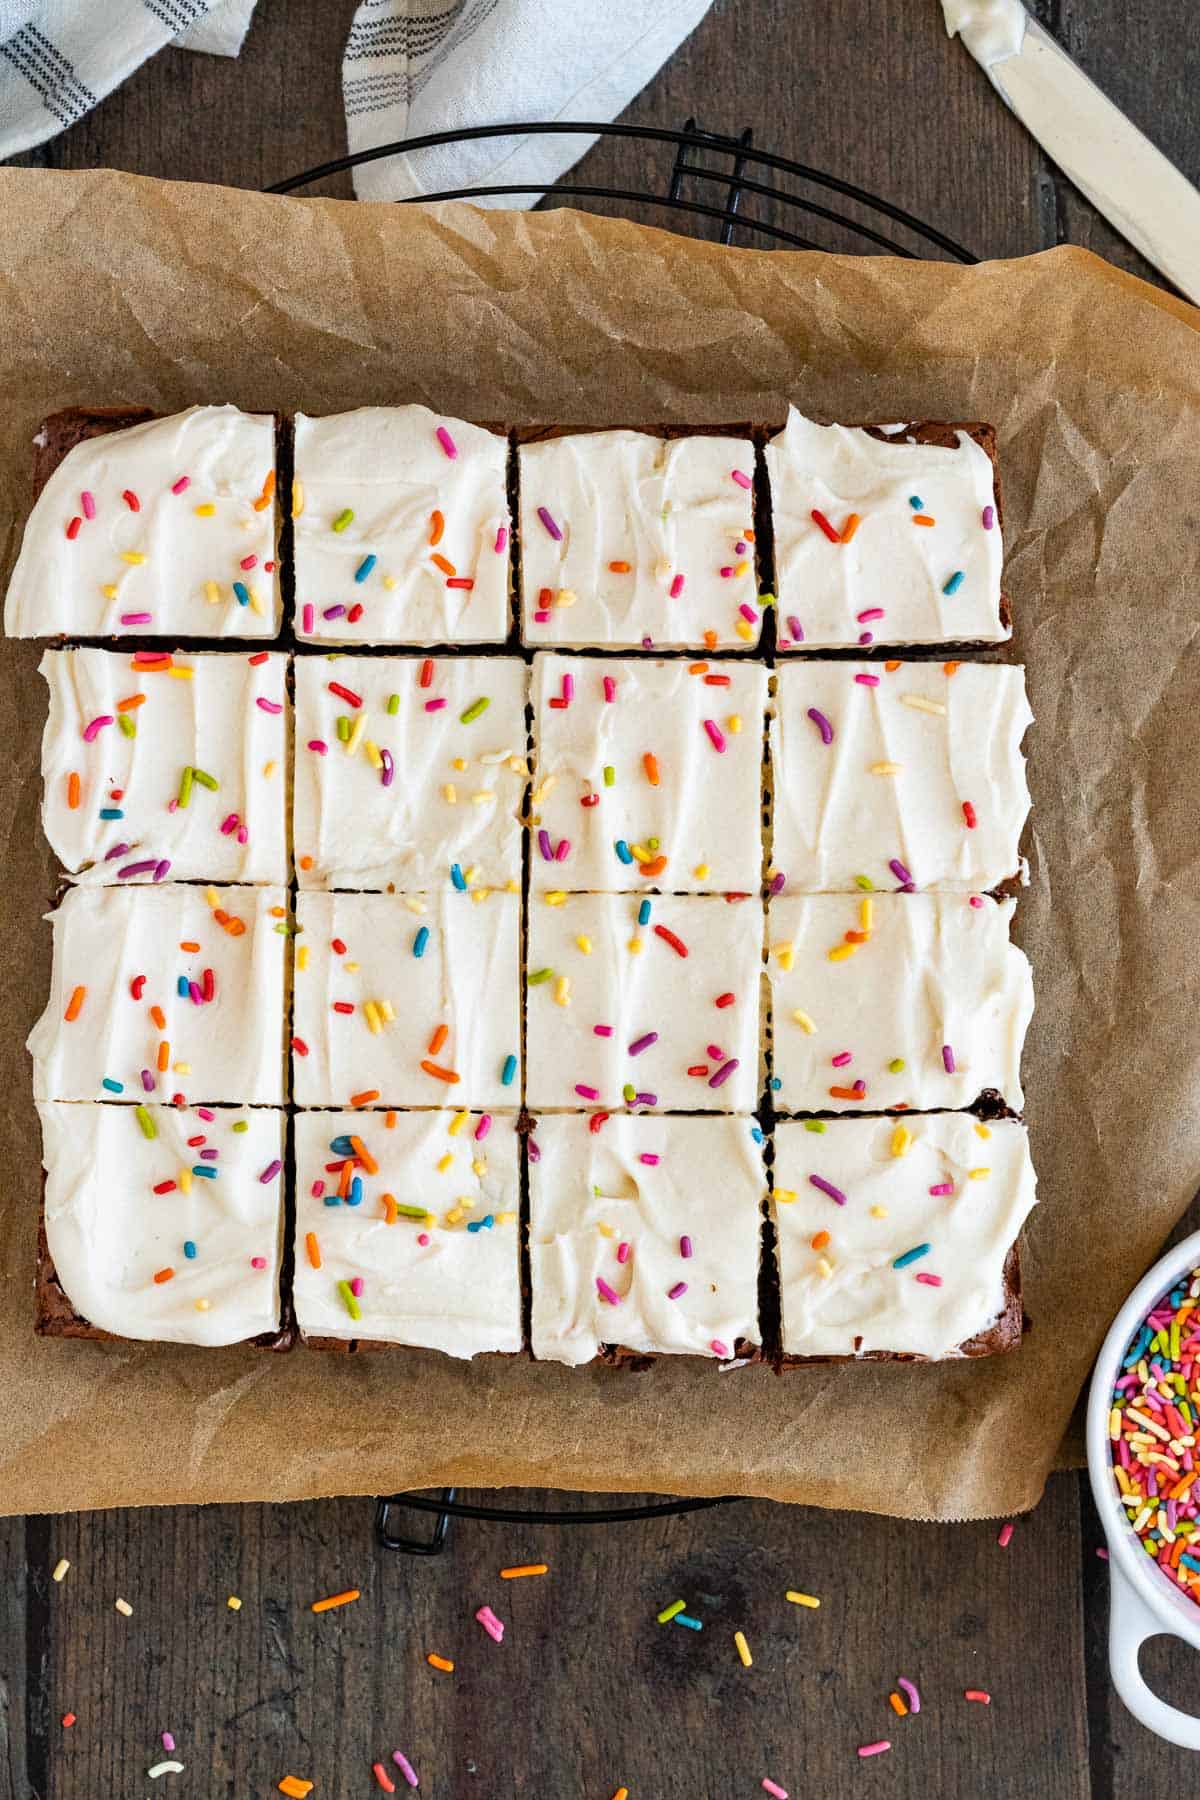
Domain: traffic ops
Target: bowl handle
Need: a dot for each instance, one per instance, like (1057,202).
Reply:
(1130,1623)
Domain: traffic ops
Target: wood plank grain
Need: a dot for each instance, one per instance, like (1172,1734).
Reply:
(23,1584)
(587,1692)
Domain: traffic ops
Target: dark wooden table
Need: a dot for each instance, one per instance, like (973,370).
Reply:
(587,1693)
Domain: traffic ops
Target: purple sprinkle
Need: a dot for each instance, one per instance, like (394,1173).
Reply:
(271,1171)
(209,1155)
(643,1043)
(827,1187)
(547,519)
(866,637)
(606,1293)
(899,871)
(677,1291)
(723,1073)
(644,1100)
(822,724)
(860,1087)
(989,517)
(147,1081)
(388,773)
(545,846)
(795,628)
(334,612)
(648,642)
(778,882)
(685,1246)
(137,868)
(161,869)
(117,850)
(535,1154)
(947,1059)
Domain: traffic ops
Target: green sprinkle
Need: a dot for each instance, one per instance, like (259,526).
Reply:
(536,976)
(127,724)
(814,1125)
(473,712)
(240,1125)
(413,1212)
(629,1092)
(185,786)
(343,519)
(149,1128)
(343,1287)
(766,599)
(610,774)
(284,929)
(896,1066)
(343,729)
(668,1612)
(653,843)
(393,705)
(206,780)
(865,883)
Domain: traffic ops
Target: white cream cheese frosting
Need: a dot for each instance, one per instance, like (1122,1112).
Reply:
(940,1185)
(889,774)
(162,529)
(166,764)
(401,529)
(417,1240)
(413,999)
(166,1224)
(644,1234)
(886,542)
(647,775)
(163,991)
(651,1002)
(407,767)
(633,540)
(895,1000)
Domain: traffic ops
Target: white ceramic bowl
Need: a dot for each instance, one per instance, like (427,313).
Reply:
(1143,1602)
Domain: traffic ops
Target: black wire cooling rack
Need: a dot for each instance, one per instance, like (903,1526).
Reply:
(710,177)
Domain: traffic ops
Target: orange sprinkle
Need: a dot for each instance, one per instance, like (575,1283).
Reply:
(364,1156)
(235,927)
(650,764)
(268,490)
(164,1055)
(153,666)
(749,536)
(853,521)
(438,1039)
(857,937)
(306,862)
(390,1212)
(343,1599)
(923,519)
(129,705)
(710,640)
(389,1121)
(189,945)
(277,912)
(655,866)
(440,1662)
(365,1098)
(820,1240)
(436,527)
(438,1073)
(220,915)
(72,790)
(619,568)
(523,1569)
(295,1788)
(75,1003)
(845,1093)
(313,1248)
(892,665)
(977,1694)
(345,1177)
(156,1013)
(949,668)
(443,563)
(164,1275)
(897,1705)
(697,668)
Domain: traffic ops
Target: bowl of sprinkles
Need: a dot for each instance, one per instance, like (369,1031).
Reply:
(1143,1440)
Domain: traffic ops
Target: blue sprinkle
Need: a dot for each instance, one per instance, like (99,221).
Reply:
(623,851)
(332,1200)
(508,1071)
(364,568)
(341,1146)
(114,1087)
(182,988)
(644,913)
(242,592)
(916,502)
(776,1084)
(1189,1562)
(420,941)
(756,1134)
(910,1256)
(189,1249)
(203,1169)
(354,1197)
(456,876)
(692,1624)
(111,812)
(475,1225)
(955,582)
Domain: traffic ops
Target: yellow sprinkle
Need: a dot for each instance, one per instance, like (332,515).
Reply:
(562,990)
(203,1305)
(482,797)
(478,894)
(256,605)
(479,1166)
(840,952)
(356,733)
(387,1011)
(605,1230)
(205,510)
(459,763)
(471,874)
(734,723)
(565,597)
(444,1162)
(389,582)
(741,568)
(212,593)
(662,568)
(635,946)
(297,498)
(182,1068)
(183,1181)
(557,898)
(879,1212)
(801,1599)
(886,768)
(233,1603)
(983,1131)
(786,953)
(450,794)
(701,871)
(825,1268)
(743,1649)
(920,704)
(124,1608)
(744,629)
(901,1140)
(372,751)
(180,674)
(866,914)
(212,896)
(134,557)
(457,1122)
(505,1218)
(584,944)
(784,1195)
(352,968)
(641,855)
(978,1174)
(269,769)
(374,1022)
(512,886)
(60,1568)
(302,956)
(803,1021)
(539,793)
(415,905)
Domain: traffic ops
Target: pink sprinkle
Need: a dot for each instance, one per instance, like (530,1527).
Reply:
(356,1286)
(434,705)
(975,900)
(320,748)
(203,1112)
(256,1262)
(718,1348)
(742,479)
(229,824)
(948,1059)
(267,706)
(910,1694)
(874,1749)
(422,1238)
(622,1253)
(547,518)
(249,562)
(650,1158)
(92,731)
(610,689)
(606,1293)
(405,1767)
(136,618)
(715,735)
(541,618)
(989,517)
(168,1742)
(586,1093)
(317,1189)
(748,613)
(872,612)
(727,571)
(930,1280)
(676,587)
(867,680)
(677,1291)
(309,618)
(483,1127)
(173,805)
(562,850)
(715,1051)
(491,1624)
(602,1030)
(568,689)
(447,442)
(1005,1538)
(685,1246)
(88,503)
(866,637)
(1103,1555)
(943,1187)
(795,628)
(841,1059)
(177,487)
(501,543)
(773,1787)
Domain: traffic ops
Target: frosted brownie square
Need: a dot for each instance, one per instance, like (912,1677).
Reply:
(408,1229)
(163,528)
(895,1000)
(650,1003)
(166,763)
(887,535)
(166,993)
(407,768)
(401,529)
(894,1236)
(161,1223)
(898,775)
(410,1000)
(647,774)
(644,1235)
(634,539)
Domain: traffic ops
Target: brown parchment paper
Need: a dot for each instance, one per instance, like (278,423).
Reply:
(118,290)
